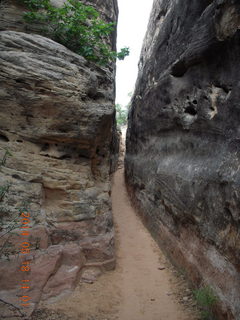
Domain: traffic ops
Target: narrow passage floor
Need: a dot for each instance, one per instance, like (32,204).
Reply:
(146,288)
(141,288)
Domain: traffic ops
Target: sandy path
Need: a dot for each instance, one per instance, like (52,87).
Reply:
(141,287)
(145,289)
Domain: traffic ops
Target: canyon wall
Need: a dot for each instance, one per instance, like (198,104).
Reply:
(182,160)
(58,146)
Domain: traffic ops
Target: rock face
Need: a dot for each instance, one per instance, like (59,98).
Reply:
(57,121)
(183,156)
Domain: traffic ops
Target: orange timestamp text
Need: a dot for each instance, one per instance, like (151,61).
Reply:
(25,221)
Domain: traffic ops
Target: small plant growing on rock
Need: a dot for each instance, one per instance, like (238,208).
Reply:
(4,189)
(3,160)
(206,299)
(77,26)
(6,230)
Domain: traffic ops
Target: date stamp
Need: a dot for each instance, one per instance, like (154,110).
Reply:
(25,221)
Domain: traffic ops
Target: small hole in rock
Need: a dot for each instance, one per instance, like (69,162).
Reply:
(3,138)
(45,147)
(225,89)
(15,176)
(167,100)
(190,110)
(66,156)
(179,69)
(20,141)
(194,101)
(159,16)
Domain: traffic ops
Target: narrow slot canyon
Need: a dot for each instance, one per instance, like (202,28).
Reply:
(111,213)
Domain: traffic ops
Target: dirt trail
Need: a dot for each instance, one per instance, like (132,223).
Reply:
(146,289)
(141,287)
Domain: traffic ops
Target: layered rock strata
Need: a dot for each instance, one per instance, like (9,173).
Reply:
(58,137)
(183,156)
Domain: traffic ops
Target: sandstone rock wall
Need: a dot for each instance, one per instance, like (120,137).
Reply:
(57,120)
(183,156)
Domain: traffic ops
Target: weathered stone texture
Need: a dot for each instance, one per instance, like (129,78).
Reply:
(57,119)
(182,161)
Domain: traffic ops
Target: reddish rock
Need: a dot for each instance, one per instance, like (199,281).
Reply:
(53,272)
(66,277)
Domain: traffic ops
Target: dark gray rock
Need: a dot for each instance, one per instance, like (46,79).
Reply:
(182,161)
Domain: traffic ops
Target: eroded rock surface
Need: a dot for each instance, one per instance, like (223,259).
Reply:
(57,120)
(182,161)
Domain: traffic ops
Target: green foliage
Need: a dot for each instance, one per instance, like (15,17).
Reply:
(4,159)
(123,53)
(5,229)
(206,299)
(77,26)
(121,115)
(3,191)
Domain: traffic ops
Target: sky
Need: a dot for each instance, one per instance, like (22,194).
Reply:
(132,26)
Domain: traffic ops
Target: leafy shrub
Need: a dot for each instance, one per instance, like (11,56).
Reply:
(121,115)
(206,299)
(77,26)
